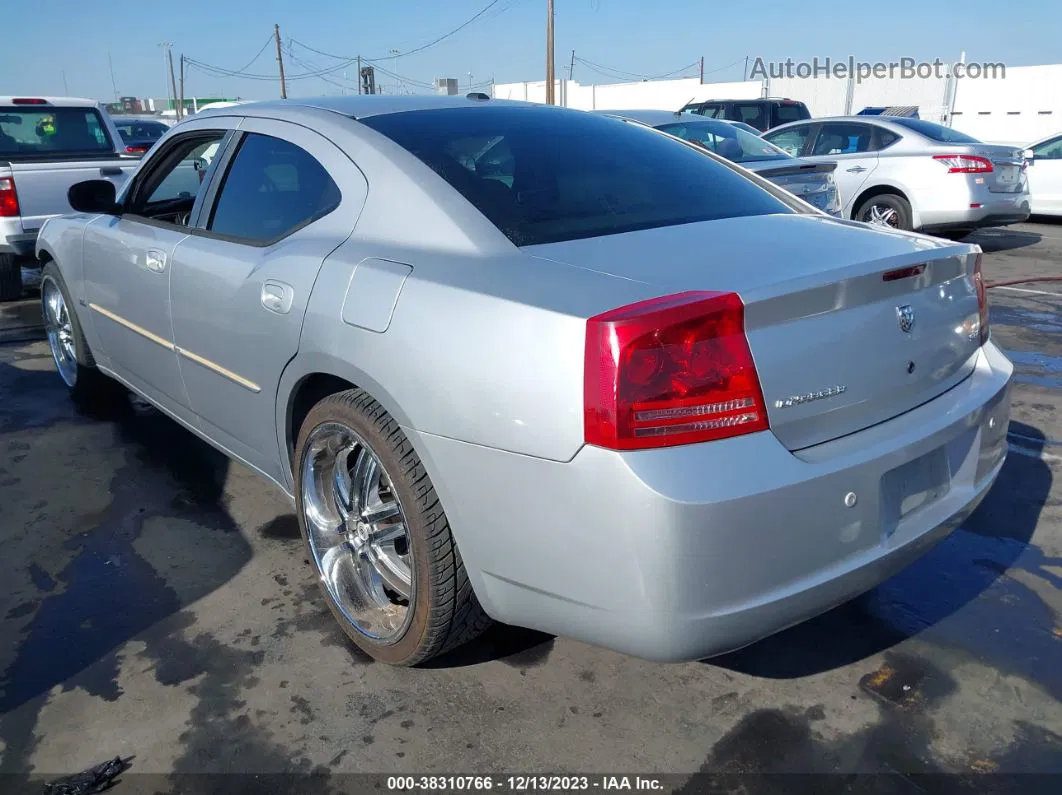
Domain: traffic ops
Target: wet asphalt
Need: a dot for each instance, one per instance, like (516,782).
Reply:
(155,603)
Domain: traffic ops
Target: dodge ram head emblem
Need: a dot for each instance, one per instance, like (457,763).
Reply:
(905,314)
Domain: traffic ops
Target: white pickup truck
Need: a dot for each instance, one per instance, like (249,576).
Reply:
(48,144)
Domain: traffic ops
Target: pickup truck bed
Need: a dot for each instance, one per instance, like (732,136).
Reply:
(46,145)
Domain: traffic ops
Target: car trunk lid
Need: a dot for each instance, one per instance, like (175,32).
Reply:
(1008,166)
(848,326)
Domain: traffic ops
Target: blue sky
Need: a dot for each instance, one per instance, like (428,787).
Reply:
(507,42)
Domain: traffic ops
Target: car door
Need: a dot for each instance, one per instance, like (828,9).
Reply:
(126,267)
(285,198)
(1045,177)
(853,147)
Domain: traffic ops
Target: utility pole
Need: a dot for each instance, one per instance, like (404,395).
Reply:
(359,74)
(549,52)
(182,87)
(166,46)
(571,69)
(280,63)
(702,70)
(173,84)
(114,83)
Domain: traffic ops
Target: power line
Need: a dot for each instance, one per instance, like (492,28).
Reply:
(620,73)
(250,63)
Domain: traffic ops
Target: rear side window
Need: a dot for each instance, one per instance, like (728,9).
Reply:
(934,132)
(544,175)
(272,188)
(752,113)
(787,112)
(714,110)
(44,132)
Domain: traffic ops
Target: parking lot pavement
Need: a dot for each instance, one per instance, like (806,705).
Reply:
(156,603)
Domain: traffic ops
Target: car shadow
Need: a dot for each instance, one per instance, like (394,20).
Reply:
(996,239)
(102,569)
(976,590)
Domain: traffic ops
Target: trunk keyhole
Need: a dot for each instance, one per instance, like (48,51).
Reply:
(910,367)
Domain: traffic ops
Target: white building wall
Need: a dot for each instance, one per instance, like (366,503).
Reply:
(1023,107)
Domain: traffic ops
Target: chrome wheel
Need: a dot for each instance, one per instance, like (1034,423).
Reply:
(60,331)
(881,215)
(357,532)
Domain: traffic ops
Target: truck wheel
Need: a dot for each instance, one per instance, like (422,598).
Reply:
(66,341)
(387,562)
(885,209)
(10,278)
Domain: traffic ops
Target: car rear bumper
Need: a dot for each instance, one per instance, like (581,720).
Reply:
(688,552)
(13,240)
(996,209)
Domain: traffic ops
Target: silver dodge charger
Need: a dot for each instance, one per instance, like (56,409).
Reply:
(516,363)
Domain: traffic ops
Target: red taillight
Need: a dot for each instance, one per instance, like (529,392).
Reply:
(965,164)
(668,371)
(135,150)
(8,198)
(982,299)
(28,101)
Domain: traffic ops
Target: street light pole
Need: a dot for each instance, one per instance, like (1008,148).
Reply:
(549,52)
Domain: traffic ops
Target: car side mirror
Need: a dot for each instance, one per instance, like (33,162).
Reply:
(94,196)
(1029,155)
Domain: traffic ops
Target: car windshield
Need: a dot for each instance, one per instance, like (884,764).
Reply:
(726,140)
(935,132)
(543,175)
(46,131)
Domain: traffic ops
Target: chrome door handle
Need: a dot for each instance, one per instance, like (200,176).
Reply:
(277,297)
(155,260)
(855,170)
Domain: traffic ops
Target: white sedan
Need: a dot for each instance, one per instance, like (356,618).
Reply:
(1045,176)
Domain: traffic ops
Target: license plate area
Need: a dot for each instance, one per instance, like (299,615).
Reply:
(912,487)
(1008,175)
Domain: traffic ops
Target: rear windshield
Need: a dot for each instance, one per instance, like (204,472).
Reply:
(27,132)
(544,175)
(933,131)
(726,140)
(136,130)
(790,111)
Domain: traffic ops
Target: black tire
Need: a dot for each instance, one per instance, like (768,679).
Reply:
(886,201)
(445,610)
(90,385)
(10,278)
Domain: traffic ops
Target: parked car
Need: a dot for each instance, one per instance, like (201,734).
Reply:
(139,133)
(571,390)
(812,182)
(913,174)
(1045,175)
(763,114)
(46,145)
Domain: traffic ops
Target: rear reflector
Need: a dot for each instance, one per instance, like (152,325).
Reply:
(669,371)
(982,298)
(976,206)
(903,273)
(135,150)
(8,198)
(965,164)
(28,101)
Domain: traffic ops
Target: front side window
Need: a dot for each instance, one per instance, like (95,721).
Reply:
(272,188)
(1049,150)
(185,178)
(726,140)
(791,141)
(170,182)
(543,175)
(43,131)
(843,139)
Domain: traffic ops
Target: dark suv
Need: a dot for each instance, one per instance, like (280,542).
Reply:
(763,114)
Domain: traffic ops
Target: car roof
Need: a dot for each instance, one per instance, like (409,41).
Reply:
(359,107)
(875,121)
(59,102)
